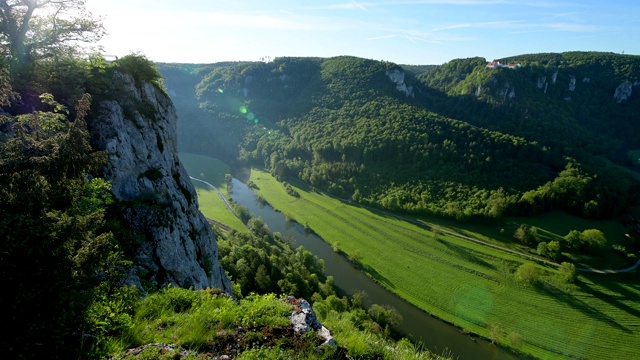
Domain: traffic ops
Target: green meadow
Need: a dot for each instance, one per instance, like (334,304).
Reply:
(473,286)
(211,205)
(549,226)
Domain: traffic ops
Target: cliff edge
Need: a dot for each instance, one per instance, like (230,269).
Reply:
(138,131)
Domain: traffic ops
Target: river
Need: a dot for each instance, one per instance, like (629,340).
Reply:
(434,334)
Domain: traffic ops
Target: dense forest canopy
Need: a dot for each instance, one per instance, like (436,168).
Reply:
(458,140)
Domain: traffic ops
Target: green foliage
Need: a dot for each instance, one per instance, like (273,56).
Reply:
(550,250)
(111,311)
(57,242)
(141,69)
(436,272)
(568,272)
(527,273)
(385,315)
(35,31)
(593,239)
(526,234)
(256,327)
(588,240)
(340,125)
(264,263)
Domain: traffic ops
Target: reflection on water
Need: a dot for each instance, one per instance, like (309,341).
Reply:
(434,334)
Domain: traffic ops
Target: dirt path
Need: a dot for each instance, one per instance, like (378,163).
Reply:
(625,270)
(219,193)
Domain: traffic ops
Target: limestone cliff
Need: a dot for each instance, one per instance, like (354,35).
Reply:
(397,77)
(138,130)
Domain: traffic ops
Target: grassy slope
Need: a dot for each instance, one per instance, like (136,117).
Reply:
(212,171)
(472,286)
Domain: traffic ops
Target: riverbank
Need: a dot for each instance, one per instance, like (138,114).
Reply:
(470,286)
(432,333)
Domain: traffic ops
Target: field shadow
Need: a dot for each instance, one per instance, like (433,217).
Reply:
(613,299)
(375,275)
(300,185)
(466,254)
(581,306)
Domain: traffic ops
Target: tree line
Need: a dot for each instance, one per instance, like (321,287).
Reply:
(340,125)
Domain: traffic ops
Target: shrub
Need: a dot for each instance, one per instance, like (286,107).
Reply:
(589,240)
(527,273)
(568,272)
(526,234)
(140,68)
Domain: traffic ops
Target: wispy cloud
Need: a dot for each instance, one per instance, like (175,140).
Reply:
(359,5)
(416,35)
(481,25)
(369,4)
(571,27)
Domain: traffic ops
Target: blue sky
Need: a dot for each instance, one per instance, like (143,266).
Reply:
(401,31)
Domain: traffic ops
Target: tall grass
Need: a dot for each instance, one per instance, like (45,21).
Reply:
(204,322)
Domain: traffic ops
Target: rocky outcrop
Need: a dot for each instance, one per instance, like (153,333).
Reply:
(572,84)
(507,91)
(138,131)
(623,91)
(304,319)
(397,77)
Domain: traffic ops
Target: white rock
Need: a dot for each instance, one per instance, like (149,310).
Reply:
(623,91)
(397,77)
(572,84)
(304,319)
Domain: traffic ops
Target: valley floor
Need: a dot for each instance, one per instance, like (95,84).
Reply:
(447,271)
(472,285)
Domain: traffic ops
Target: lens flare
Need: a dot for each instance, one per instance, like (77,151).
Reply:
(255,121)
(251,116)
(244,109)
(220,91)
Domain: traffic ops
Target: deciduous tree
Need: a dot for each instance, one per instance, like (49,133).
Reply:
(31,29)
(527,273)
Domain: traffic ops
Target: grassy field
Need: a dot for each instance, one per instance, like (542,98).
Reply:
(549,226)
(473,286)
(211,205)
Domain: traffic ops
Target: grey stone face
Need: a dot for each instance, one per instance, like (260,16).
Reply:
(138,131)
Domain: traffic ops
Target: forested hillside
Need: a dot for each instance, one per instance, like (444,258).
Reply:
(459,140)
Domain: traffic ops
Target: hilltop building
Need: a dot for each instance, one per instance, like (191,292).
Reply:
(497,64)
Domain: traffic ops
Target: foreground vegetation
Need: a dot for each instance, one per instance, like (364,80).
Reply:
(473,286)
(208,324)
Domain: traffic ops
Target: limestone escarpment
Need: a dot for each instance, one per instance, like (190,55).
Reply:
(138,131)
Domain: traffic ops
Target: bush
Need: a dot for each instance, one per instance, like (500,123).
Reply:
(588,240)
(140,68)
(526,234)
(527,273)
(568,272)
